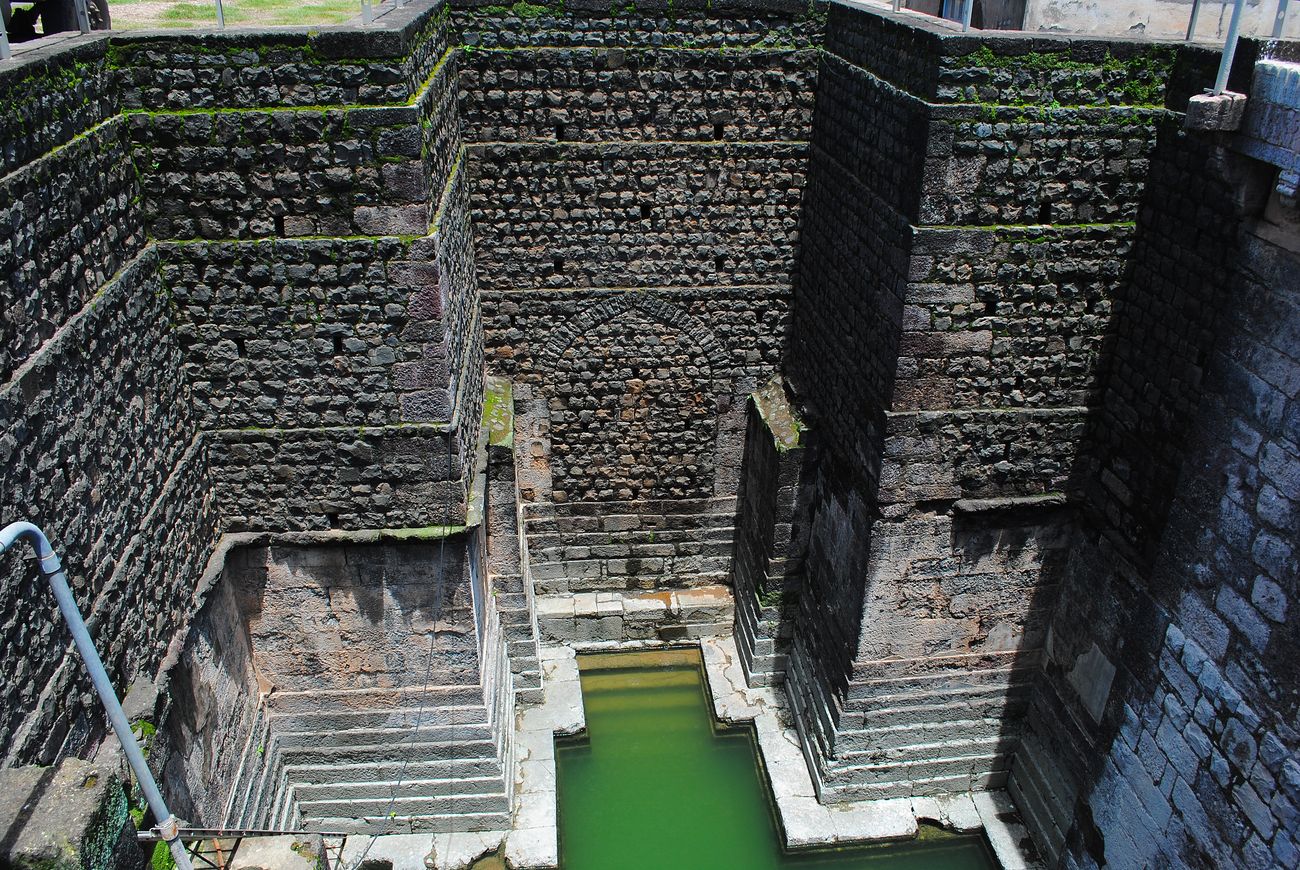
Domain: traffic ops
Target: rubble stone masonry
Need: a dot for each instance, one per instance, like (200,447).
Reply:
(967,367)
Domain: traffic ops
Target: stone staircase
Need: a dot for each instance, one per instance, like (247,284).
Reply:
(629,546)
(405,760)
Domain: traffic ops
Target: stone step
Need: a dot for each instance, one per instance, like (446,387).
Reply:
(369,700)
(380,804)
(629,583)
(979,687)
(391,771)
(924,763)
(405,787)
(411,824)
(1044,799)
(635,616)
(901,788)
(979,706)
(333,720)
(950,732)
(436,750)
(428,731)
(961,744)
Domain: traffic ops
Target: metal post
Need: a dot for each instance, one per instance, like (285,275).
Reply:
(966,13)
(1191,22)
(898,4)
(53,571)
(367,13)
(1229,48)
(5,51)
(83,17)
(221,15)
(1279,21)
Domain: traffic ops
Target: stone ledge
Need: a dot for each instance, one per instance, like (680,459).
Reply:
(598,620)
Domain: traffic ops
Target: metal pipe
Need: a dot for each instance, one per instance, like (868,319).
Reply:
(53,571)
(1279,20)
(898,4)
(83,16)
(367,13)
(221,15)
(1229,48)
(5,51)
(966,13)
(1191,22)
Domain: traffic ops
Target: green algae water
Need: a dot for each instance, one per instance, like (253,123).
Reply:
(657,784)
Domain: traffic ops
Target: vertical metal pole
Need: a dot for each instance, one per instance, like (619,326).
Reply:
(1229,48)
(1279,21)
(1191,22)
(898,4)
(221,15)
(367,13)
(83,17)
(5,51)
(965,14)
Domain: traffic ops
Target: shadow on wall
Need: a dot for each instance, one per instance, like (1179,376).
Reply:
(1110,681)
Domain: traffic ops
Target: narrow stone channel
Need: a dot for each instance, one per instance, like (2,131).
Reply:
(656,782)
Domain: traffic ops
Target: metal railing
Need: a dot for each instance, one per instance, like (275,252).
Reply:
(960,12)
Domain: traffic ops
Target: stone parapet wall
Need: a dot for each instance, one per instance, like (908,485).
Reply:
(386,477)
(54,96)
(770,534)
(333,66)
(235,175)
(299,334)
(846,320)
(996,453)
(699,24)
(614,158)
(1011,318)
(1167,317)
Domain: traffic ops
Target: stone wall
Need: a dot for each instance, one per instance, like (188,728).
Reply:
(100,444)
(635,238)
(957,275)
(1161,730)
(248,303)
(770,533)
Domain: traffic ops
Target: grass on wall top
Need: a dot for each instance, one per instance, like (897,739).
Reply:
(152,14)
